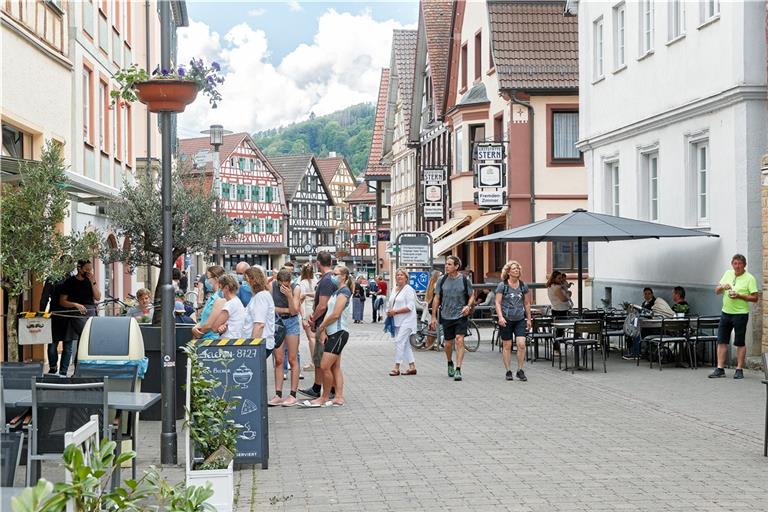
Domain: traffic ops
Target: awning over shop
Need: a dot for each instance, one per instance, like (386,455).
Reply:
(449,226)
(445,245)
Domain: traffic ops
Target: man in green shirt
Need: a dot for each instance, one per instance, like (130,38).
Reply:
(738,288)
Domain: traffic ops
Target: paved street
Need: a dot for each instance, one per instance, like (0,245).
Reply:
(631,439)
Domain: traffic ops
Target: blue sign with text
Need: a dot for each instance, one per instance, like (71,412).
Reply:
(418,280)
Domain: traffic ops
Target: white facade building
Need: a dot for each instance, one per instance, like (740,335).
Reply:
(673,125)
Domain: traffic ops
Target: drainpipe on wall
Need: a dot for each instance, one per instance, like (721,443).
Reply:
(513,98)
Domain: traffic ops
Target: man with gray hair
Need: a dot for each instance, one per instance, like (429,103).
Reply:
(244,292)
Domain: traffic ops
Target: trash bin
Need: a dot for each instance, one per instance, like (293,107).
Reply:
(112,341)
(154,377)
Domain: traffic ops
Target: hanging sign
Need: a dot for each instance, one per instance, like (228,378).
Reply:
(433,191)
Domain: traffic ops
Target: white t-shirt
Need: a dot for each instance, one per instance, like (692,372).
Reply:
(307,287)
(261,310)
(236,318)
(405,298)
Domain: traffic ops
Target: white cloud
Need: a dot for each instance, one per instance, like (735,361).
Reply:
(294,5)
(341,67)
(257,12)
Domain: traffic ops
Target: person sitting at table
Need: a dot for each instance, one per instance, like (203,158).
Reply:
(680,305)
(143,310)
(656,305)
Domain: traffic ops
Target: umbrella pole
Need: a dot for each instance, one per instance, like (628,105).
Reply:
(578,248)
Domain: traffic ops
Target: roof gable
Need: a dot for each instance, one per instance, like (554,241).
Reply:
(403,68)
(294,168)
(361,195)
(374,167)
(437,16)
(535,46)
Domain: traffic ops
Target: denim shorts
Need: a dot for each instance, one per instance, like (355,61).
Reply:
(292,325)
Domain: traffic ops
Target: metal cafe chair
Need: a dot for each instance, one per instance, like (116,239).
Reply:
(541,332)
(121,378)
(60,406)
(674,331)
(19,376)
(10,449)
(587,335)
(705,334)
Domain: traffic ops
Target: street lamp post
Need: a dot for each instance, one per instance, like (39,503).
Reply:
(216,133)
(168,438)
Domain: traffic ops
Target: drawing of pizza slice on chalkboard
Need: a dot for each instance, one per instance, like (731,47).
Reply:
(248,407)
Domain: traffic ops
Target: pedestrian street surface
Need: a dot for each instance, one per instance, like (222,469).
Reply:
(631,439)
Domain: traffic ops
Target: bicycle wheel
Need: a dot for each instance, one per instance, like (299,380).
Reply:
(472,339)
(418,338)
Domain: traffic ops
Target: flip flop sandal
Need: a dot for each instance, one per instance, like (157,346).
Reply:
(394,373)
(308,404)
(409,371)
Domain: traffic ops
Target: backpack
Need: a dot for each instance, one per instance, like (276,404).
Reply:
(466,288)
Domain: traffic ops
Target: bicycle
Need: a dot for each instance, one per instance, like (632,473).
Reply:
(418,338)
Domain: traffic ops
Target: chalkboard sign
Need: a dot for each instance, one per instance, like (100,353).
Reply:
(246,377)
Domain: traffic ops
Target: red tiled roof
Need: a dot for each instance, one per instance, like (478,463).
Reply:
(374,167)
(437,16)
(188,148)
(534,45)
(361,195)
(404,64)
(328,167)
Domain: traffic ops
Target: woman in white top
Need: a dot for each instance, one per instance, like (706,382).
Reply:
(402,307)
(229,323)
(260,313)
(307,283)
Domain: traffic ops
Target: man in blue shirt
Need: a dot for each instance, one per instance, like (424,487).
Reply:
(244,292)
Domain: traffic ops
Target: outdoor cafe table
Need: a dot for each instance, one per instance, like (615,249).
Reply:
(119,400)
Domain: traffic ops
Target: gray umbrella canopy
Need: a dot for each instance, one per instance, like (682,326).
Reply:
(583,226)
(589,227)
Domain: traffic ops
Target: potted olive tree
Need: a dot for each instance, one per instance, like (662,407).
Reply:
(168,90)
(210,431)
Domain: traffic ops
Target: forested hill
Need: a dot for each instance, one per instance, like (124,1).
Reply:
(347,132)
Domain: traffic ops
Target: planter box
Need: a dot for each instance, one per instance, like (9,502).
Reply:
(223,483)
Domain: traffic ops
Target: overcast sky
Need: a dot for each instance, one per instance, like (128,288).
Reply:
(283,60)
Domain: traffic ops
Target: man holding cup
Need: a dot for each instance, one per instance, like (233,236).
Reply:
(738,288)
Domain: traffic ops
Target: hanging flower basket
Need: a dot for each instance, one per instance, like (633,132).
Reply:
(341,253)
(363,245)
(168,90)
(162,95)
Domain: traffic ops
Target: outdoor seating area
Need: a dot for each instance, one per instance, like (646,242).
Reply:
(38,411)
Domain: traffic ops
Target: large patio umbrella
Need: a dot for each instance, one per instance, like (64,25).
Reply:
(582,226)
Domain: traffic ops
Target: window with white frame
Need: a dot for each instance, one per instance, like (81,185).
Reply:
(459,148)
(701,169)
(87,104)
(612,188)
(650,186)
(709,9)
(676,19)
(646,26)
(598,49)
(619,35)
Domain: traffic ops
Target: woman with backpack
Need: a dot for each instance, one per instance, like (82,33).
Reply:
(513,307)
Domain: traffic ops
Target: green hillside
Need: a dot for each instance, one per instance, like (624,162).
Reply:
(347,132)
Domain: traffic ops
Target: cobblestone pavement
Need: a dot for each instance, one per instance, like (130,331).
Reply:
(631,439)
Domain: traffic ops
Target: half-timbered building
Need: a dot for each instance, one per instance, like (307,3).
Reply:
(361,223)
(309,202)
(251,194)
(336,172)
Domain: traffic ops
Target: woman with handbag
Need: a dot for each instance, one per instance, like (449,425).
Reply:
(402,309)
(336,326)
